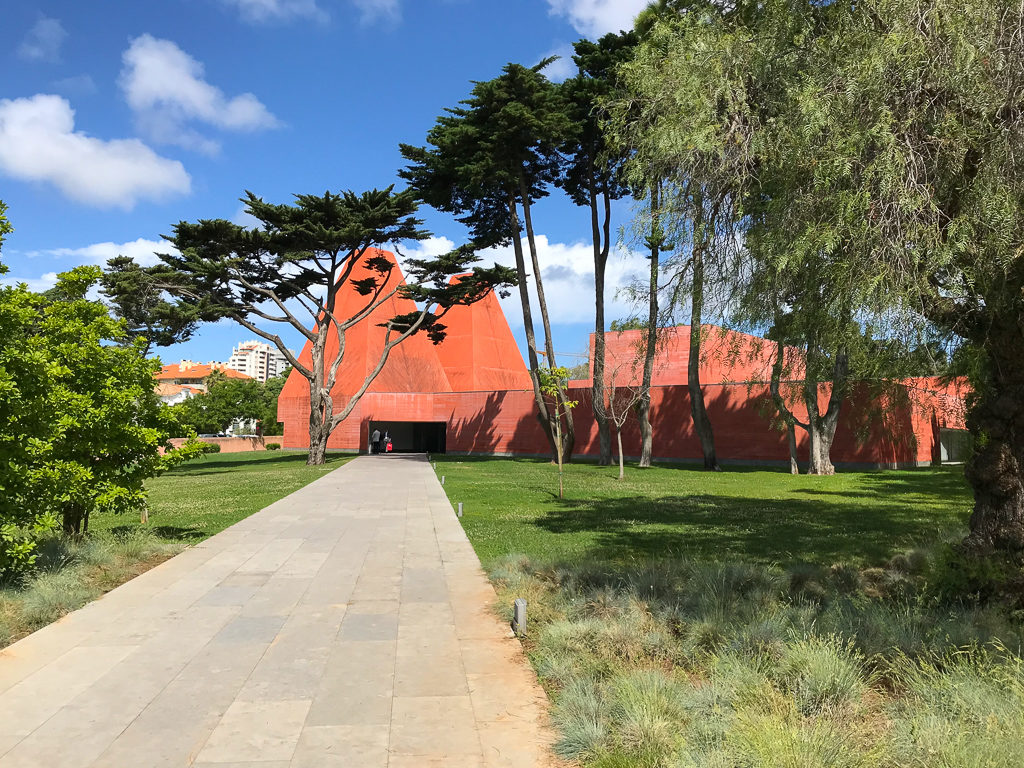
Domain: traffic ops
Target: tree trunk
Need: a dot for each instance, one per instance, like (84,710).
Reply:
(995,469)
(651,346)
(531,338)
(794,466)
(622,463)
(71,517)
(569,433)
(822,427)
(601,249)
(780,404)
(701,420)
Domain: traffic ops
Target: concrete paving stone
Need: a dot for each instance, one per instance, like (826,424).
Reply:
(251,579)
(227,596)
(256,731)
(271,557)
(508,696)
(248,764)
(516,745)
(425,614)
(443,676)
(250,629)
(377,588)
(493,656)
(277,597)
(34,700)
(391,607)
(433,761)
(342,746)
(320,631)
(304,563)
(368,626)
(438,726)
(438,641)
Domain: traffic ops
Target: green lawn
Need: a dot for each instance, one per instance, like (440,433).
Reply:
(685,618)
(762,515)
(206,495)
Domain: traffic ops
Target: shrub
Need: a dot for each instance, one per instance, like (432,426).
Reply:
(211,447)
(273,446)
(822,673)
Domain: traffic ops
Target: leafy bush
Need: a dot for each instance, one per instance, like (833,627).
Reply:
(273,446)
(211,447)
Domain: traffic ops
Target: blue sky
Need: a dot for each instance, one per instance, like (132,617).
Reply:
(118,119)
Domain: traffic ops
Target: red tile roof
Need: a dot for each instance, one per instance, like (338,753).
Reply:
(195,372)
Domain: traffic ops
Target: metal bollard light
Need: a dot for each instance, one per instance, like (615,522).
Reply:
(519,616)
(460,509)
(442,479)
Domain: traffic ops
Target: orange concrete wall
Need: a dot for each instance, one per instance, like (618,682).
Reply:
(476,382)
(876,430)
(236,444)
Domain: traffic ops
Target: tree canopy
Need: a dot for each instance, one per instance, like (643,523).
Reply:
(292,269)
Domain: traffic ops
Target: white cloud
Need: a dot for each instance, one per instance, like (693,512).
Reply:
(373,10)
(567,270)
(143,251)
(43,41)
(263,11)
(165,88)
(38,142)
(594,18)
(561,68)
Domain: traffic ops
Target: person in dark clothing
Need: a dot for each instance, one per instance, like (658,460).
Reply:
(375,441)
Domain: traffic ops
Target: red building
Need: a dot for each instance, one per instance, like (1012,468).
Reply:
(472,395)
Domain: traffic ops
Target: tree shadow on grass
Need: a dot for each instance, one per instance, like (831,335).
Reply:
(219,465)
(170,532)
(823,530)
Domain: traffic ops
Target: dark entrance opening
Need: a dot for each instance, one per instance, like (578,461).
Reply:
(411,436)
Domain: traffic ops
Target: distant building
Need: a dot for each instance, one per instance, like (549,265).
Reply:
(172,394)
(192,375)
(258,360)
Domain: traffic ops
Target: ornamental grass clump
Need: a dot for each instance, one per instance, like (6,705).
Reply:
(677,664)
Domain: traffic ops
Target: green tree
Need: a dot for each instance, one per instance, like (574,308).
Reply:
(592,177)
(297,263)
(136,297)
(553,382)
(229,399)
(486,161)
(881,143)
(80,426)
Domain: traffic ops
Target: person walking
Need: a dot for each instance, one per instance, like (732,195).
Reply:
(375,441)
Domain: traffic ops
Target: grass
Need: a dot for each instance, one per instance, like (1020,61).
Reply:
(188,504)
(203,497)
(756,515)
(749,618)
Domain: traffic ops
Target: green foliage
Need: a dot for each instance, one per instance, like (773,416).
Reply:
(5,228)
(500,146)
(136,297)
(228,399)
(872,155)
(80,427)
(273,446)
(209,447)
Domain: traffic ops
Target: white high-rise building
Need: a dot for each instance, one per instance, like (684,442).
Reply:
(259,360)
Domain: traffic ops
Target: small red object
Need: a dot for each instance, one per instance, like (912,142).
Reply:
(389,446)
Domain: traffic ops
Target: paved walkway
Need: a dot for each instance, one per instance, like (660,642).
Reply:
(345,625)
